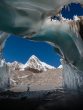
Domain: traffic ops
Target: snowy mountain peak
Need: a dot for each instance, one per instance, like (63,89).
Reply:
(33,59)
(14,65)
(36,64)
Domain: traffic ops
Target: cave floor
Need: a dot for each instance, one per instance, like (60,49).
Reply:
(42,100)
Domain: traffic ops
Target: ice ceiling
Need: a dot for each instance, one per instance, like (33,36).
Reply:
(25,17)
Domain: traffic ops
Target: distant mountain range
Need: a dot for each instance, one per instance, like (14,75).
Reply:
(33,64)
(34,73)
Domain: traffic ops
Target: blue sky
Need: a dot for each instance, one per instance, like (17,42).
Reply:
(20,49)
(75,9)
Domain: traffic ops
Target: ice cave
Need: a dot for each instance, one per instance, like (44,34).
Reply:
(31,19)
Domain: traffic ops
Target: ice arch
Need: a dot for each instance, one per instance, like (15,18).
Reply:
(66,38)
(31,20)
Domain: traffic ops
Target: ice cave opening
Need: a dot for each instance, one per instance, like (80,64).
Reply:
(73,77)
(72,10)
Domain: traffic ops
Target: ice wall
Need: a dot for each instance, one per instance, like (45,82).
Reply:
(73,78)
(4,69)
(4,75)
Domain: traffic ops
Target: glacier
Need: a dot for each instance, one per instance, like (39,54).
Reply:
(31,20)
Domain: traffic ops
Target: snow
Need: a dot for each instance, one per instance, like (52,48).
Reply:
(60,67)
(76,18)
(15,65)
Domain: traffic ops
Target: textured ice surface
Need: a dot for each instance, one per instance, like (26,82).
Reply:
(4,75)
(73,78)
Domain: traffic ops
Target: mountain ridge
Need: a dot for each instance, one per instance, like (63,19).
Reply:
(33,64)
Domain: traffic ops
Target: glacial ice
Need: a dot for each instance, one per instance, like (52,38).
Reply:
(73,78)
(4,75)
(4,69)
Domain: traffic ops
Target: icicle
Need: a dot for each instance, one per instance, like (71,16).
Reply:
(68,8)
(65,7)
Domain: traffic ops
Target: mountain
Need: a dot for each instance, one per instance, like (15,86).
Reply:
(15,65)
(25,75)
(33,64)
(36,64)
